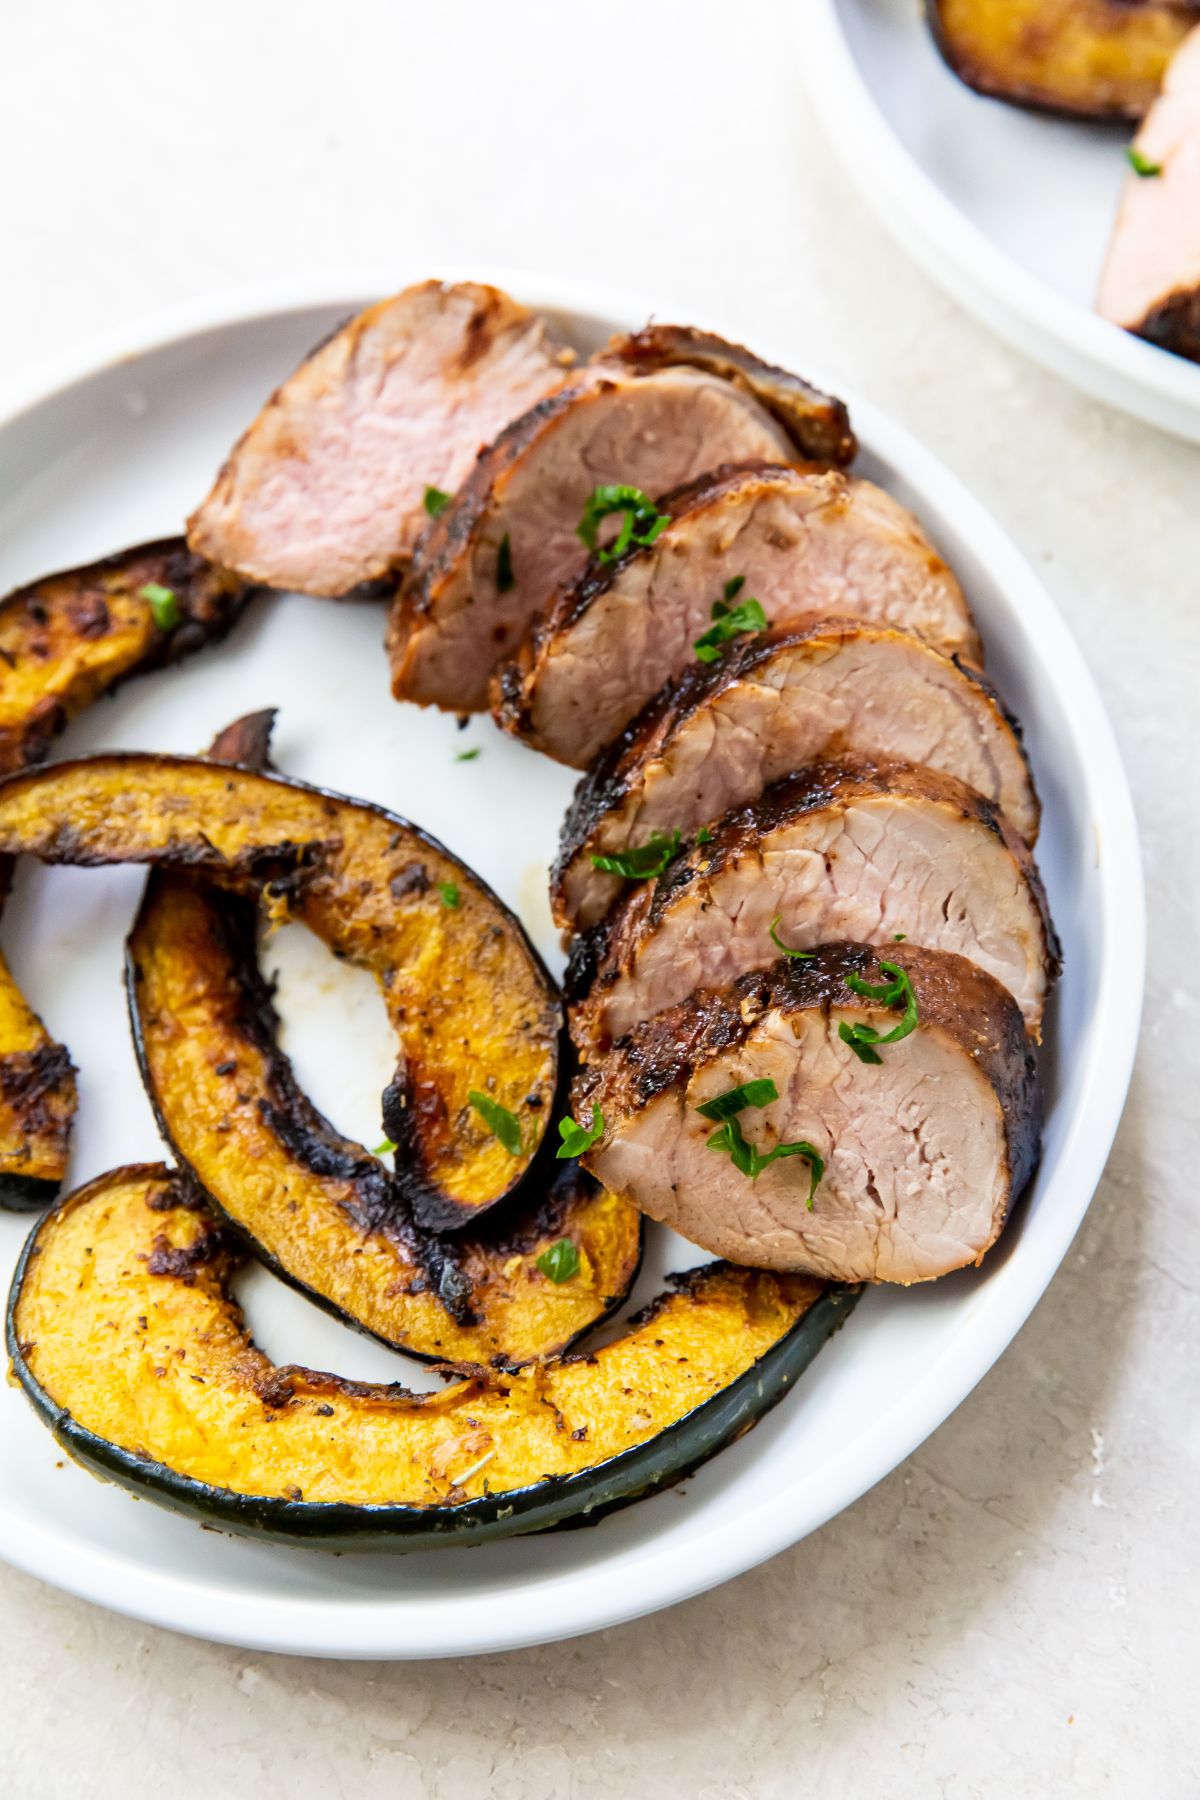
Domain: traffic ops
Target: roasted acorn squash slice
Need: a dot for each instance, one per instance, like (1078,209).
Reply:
(64,641)
(474,1009)
(1092,59)
(316,1207)
(122,1333)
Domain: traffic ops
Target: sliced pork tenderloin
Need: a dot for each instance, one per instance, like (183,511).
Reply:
(847,850)
(326,490)
(493,559)
(770,706)
(923,1150)
(818,425)
(1151,279)
(804,543)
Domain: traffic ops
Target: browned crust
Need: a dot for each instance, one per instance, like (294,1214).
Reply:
(1174,324)
(817,423)
(513,682)
(448,538)
(953,996)
(616,770)
(601,955)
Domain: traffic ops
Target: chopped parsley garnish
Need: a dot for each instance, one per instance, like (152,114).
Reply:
(704,835)
(559,1262)
(436,501)
(644,862)
(1140,164)
(467,755)
(503,1125)
(796,955)
(384,1149)
(733,588)
(641,520)
(749,1161)
(898,937)
(577,1138)
(748,615)
(505,579)
(863,1038)
(751,1093)
(163,603)
(451,897)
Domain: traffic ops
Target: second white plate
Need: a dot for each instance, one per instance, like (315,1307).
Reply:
(1009,211)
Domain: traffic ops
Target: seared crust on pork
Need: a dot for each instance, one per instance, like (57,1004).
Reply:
(876,852)
(494,558)
(923,1151)
(804,542)
(771,705)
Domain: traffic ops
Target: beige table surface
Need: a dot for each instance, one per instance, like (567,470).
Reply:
(1013,1612)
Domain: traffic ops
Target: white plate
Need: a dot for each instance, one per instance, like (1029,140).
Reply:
(1010,211)
(119,451)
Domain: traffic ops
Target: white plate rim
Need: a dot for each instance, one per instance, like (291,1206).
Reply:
(583,1601)
(1110,364)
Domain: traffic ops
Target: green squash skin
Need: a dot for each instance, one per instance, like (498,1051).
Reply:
(540,1168)
(27,1193)
(583,1498)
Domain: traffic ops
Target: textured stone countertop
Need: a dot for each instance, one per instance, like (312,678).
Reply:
(1013,1611)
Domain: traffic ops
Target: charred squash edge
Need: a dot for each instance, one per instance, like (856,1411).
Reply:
(580,1498)
(28,1193)
(526,1224)
(433,1210)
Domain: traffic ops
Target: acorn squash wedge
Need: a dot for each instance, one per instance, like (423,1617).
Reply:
(64,641)
(478,1019)
(1089,59)
(316,1207)
(122,1332)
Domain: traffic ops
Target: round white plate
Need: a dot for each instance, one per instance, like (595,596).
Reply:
(118,451)
(1008,210)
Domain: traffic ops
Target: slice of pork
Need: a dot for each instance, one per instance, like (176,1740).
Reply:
(803,543)
(492,561)
(924,1150)
(325,491)
(817,424)
(851,849)
(772,705)
(1151,279)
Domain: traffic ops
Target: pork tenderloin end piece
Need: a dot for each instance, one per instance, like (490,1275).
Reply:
(874,852)
(770,706)
(325,491)
(1151,279)
(804,543)
(923,1152)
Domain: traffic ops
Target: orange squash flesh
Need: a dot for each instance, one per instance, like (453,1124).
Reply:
(317,1207)
(124,1336)
(471,1004)
(64,641)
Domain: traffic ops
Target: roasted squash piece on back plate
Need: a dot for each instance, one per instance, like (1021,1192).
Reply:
(1089,59)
